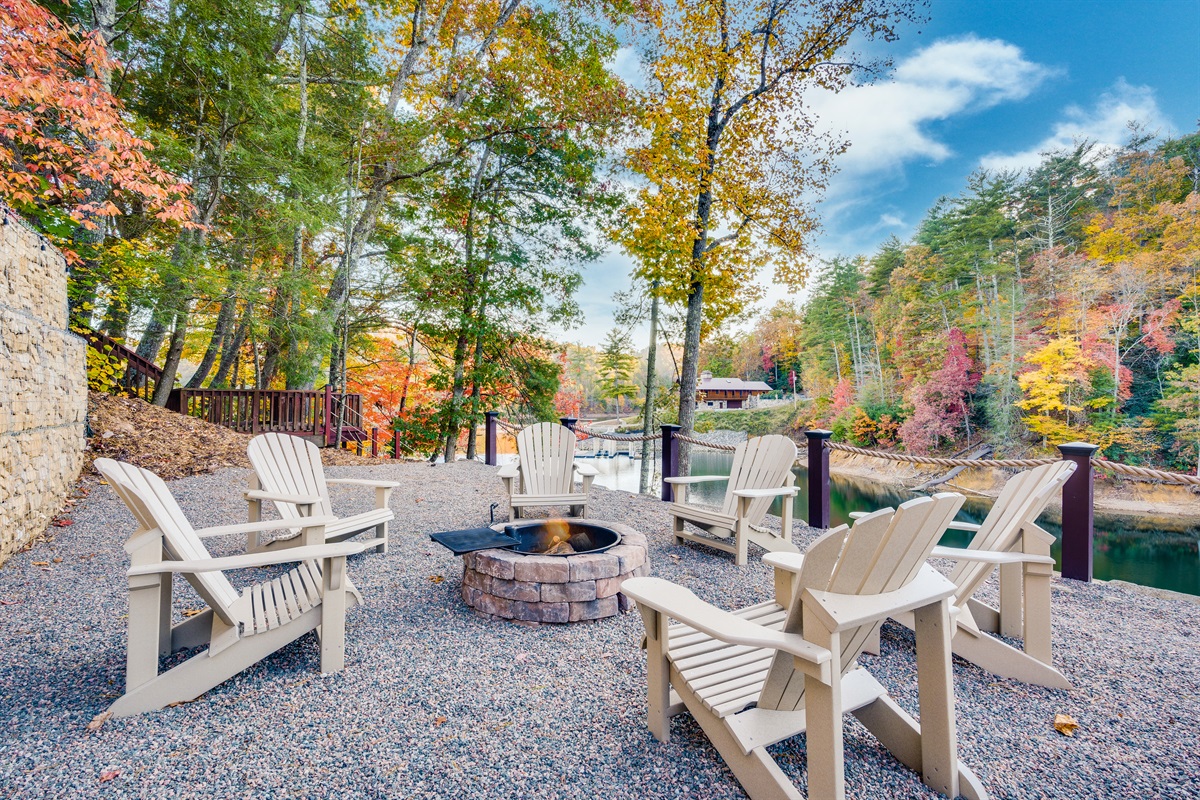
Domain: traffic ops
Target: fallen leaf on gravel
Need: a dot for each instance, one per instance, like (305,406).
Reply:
(63,522)
(191,612)
(1065,724)
(4,602)
(109,774)
(57,559)
(39,563)
(99,720)
(674,557)
(436,578)
(438,720)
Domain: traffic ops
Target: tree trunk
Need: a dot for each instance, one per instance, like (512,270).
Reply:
(651,380)
(174,353)
(231,352)
(220,331)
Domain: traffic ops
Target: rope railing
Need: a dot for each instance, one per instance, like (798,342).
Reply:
(1145,473)
(1007,463)
(617,437)
(701,443)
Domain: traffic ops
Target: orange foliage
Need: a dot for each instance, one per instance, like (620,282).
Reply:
(61,131)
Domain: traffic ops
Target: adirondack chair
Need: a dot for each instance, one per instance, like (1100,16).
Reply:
(762,471)
(1009,538)
(763,674)
(288,472)
(240,628)
(545,472)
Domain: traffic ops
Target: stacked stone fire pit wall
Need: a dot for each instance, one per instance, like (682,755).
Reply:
(533,588)
(43,386)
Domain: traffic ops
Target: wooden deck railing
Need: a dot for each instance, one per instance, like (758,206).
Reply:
(141,376)
(296,411)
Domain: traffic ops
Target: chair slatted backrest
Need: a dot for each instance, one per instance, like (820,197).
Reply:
(883,552)
(1022,500)
(547,452)
(152,504)
(288,464)
(762,462)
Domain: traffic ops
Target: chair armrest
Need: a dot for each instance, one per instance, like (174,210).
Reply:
(363,482)
(857,514)
(266,525)
(839,612)
(990,556)
(249,560)
(586,470)
(510,470)
(679,603)
(792,562)
(697,479)
(782,491)
(963,526)
(295,499)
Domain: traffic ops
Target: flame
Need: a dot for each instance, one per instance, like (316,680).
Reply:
(559,530)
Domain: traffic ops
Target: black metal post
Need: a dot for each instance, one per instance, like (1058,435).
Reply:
(670,460)
(489,438)
(1077,513)
(568,422)
(818,478)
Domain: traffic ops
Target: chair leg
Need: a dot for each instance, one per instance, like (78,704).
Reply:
(677,527)
(658,674)
(823,711)
(381,532)
(1037,611)
(333,614)
(935,689)
(742,542)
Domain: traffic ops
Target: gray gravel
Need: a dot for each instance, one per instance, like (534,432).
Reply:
(438,701)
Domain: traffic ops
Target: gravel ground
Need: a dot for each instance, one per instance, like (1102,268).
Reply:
(438,701)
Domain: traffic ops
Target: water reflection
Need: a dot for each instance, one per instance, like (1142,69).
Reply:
(1147,557)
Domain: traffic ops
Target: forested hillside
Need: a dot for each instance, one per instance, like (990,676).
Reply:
(1029,310)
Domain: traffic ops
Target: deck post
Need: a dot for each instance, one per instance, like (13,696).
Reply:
(670,460)
(489,438)
(818,478)
(1077,513)
(328,412)
(395,442)
(375,441)
(568,423)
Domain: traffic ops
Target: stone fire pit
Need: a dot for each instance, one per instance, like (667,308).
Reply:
(554,588)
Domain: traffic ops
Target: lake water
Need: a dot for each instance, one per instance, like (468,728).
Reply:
(1149,557)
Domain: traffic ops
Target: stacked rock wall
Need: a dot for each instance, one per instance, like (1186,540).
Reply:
(43,386)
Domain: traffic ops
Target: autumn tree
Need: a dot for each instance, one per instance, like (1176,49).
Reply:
(940,405)
(617,364)
(62,131)
(732,159)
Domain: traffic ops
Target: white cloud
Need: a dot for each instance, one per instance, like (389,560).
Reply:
(1105,123)
(886,122)
(627,65)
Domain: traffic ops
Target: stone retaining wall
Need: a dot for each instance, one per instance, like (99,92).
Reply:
(43,386)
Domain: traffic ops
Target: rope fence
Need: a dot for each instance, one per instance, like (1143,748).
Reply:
(1145,473)
(1078,511)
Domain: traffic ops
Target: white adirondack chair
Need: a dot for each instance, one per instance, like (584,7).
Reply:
(763,674)
(288,472)
(762,471)
(545,473)
(1010,539)
(240,628)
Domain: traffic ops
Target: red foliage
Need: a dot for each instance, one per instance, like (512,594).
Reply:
(843,396)
(940,406)
(61,131)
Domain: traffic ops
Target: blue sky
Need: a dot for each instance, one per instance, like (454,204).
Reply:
(985,83)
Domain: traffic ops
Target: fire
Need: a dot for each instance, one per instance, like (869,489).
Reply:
(558,532)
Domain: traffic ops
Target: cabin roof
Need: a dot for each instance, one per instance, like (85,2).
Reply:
(732,384)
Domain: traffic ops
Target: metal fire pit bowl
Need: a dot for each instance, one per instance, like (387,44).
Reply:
(584,537)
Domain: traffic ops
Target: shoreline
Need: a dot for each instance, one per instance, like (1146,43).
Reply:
(1150,506)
